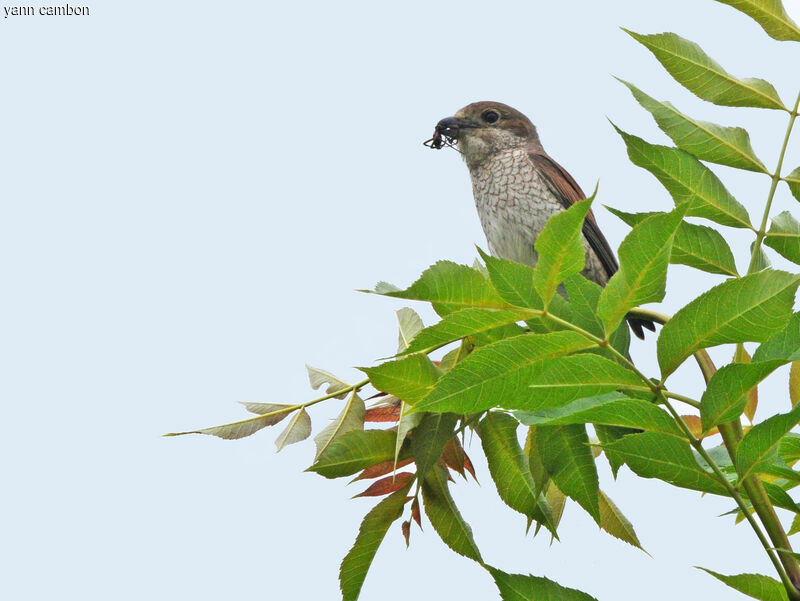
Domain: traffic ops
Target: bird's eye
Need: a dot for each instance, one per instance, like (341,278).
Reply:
(490,116)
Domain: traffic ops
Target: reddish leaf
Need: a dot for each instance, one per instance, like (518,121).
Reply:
(468,466)
(387,413)
(381,469)
(386,485)
(406,528)
(415,512)
(453,456)
(443,465)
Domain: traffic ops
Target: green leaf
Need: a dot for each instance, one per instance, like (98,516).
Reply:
(771,15)
(779,497)
(510,470)
(299,428)
(496,374)
(615,523)
(762,261)
(785,345)
(655,455)
(725,396)
(751,308)
(560,380)
(583,297)
(560,249)
(688,181)
(789,448)
(430,437)
(538,471)
(444,515)
(795,527)
(355,451)
(409,325)
(612,409)
(351,418)
(466,322)
(707,141)
(449,287)
(784,236)
(409,378)
(753,585)
(269,415)
(518,587)
(700,74)
(608,434)
(759,446)
(567,456)
(557,500)
(513,281)
(371,533)
(642,276)
(793,180)
(697,246)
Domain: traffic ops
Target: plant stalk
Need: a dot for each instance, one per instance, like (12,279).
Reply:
(732,432)
(779,564)
(776,177)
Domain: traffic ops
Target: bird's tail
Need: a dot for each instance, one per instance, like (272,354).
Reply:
(638,326)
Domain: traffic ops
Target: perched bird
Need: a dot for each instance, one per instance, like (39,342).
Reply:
(518,187)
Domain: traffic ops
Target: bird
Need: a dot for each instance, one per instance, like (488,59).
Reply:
(517,187)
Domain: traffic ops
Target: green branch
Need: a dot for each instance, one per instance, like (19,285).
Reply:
(776,177)
(768,548)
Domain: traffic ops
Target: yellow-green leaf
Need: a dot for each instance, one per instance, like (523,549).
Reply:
(794,382)
(757,586)
(694,245)
(615,523)
(784,236)
(704,77)
(771,15)
(560,249)
(707,141)
(793,180)
(642,275)
(688,181)
(751,308)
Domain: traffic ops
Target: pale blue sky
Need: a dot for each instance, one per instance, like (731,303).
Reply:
(192,191)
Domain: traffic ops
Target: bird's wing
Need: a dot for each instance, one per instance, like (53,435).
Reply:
(568,192)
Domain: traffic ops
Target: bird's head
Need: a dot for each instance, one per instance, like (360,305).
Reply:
(482,129)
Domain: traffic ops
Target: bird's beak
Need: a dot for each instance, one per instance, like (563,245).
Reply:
(450,127)
(447,132)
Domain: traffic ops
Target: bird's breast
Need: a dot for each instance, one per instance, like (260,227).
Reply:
(513,203)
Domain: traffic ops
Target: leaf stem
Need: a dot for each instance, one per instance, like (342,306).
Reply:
(682,399)
(339,392)
(776,177)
